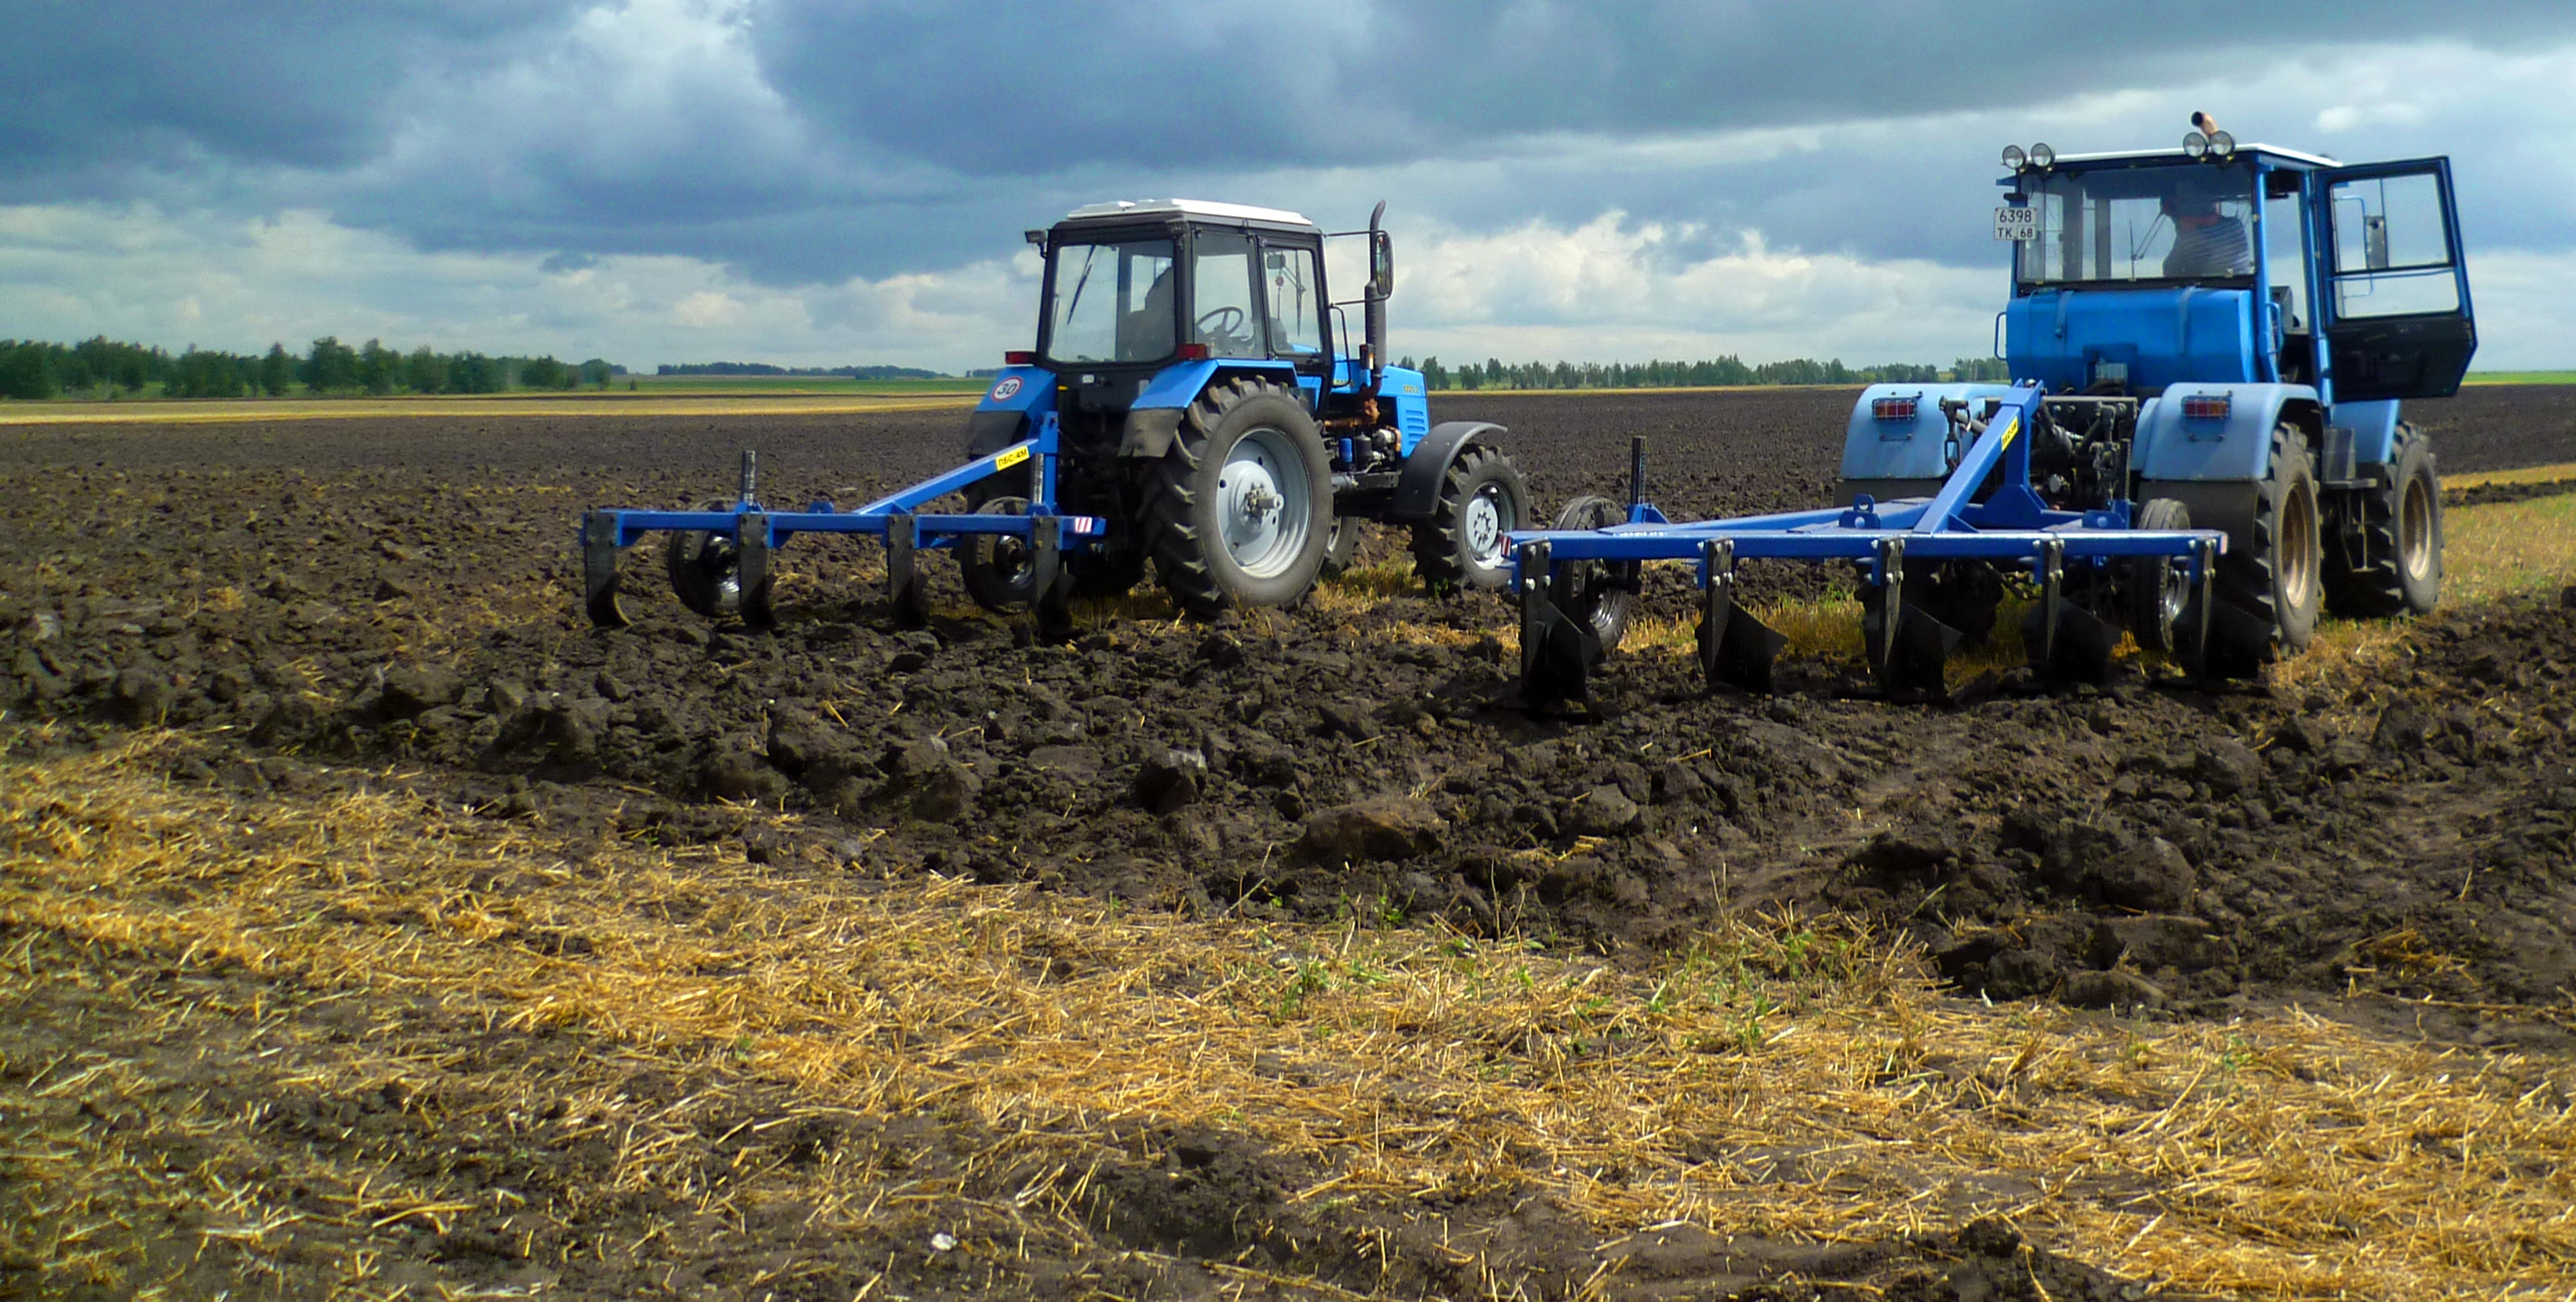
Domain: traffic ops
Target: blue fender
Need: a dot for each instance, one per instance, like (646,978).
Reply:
(2373,426)
(1914,449)
(1155,416)
(1417,492)
(2234,448)
(1019,394)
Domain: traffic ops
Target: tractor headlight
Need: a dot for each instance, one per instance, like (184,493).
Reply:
(2014,158)
(2221,144)
(2194,145)
(2043,157)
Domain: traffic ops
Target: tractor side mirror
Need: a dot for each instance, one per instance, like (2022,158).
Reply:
(1381,264)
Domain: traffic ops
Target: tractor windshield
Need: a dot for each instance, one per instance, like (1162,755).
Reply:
(2132,224)
(1111,302)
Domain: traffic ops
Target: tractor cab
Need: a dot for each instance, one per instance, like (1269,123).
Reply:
(1134,287)
(2220,263)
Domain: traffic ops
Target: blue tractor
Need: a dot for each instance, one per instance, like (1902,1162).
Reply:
(1193,405)
(2207,343)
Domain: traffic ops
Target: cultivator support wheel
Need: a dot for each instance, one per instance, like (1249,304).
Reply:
(1557,650)
(904,589)
(1908,648)
(599,570)
(1735,649)
(2067,643)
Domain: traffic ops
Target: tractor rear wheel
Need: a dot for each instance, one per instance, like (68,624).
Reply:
(1237,512)
(1464,545)
(2400,538)
(1602,594)
(2277,575)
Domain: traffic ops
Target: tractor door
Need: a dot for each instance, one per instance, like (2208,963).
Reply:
(2397,319)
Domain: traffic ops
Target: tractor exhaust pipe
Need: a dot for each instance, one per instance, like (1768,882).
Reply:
(1381,283)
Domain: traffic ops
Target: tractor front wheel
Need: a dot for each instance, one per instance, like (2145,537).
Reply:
(1465,543)
(1237,513)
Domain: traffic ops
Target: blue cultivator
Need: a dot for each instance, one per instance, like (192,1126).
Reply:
(1917,556)
(718,557)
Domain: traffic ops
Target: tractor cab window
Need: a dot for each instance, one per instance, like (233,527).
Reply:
(1223,314)
(1295,291)
(2392,248)
(2141,224)
(1112,302)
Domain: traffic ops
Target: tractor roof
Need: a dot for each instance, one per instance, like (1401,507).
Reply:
(1188,209)
(2291,156)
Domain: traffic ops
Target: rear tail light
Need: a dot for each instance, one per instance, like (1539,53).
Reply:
(1194,352)
(1892,408)
(2205,406)
(1019,357)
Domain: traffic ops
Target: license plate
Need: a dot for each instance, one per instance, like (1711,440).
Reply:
(2016,223)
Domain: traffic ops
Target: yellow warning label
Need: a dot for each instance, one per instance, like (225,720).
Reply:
(2011,428)
(1011,458)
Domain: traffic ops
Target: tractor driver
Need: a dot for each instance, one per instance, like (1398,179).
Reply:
(2206,241)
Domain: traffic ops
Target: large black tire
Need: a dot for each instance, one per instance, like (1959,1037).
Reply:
(2399,569)
(1238,512)
(2277,572)
(1602,594)
(1463,546)
(705,569)
(1342,545)
(2158,587)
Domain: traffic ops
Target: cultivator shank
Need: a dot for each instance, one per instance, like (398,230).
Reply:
(719,558)
(1906,645)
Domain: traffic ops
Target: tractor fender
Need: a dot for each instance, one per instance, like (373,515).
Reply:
(1417,492)
(1154,418)
(1022,389)
(2234,448)
(1911,451)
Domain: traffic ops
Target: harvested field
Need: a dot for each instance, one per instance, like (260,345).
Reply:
(372,923)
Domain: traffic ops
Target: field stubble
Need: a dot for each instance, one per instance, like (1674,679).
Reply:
(449,945)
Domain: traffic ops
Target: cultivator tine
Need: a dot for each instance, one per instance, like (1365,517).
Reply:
(751,550)
(599,570)
(903,574)
(1910,649)
(1557,653)
(1050,585)
(2067,643)
(1734,648)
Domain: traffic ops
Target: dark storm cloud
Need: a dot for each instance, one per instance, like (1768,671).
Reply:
(111,83)
(1021,86)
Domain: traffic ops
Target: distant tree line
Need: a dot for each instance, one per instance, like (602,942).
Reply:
(764,368)
(36,370)
(1723,371)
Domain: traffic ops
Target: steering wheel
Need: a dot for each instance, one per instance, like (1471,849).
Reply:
(1221,323)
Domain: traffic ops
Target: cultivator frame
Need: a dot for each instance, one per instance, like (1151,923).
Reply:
(748,533)
(1557,568)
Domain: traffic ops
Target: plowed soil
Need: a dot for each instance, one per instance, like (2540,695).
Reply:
(2393,839)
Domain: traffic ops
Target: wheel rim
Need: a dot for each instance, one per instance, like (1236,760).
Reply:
(2296,550)
(1482,523)
(1264,503)
(2173,592)
(2415,529)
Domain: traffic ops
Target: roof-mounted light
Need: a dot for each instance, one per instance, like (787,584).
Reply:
(2014,158)
(2043,157)
(2221,144)
(2194,145)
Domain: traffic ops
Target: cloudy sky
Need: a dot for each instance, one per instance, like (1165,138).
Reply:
(823,182)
